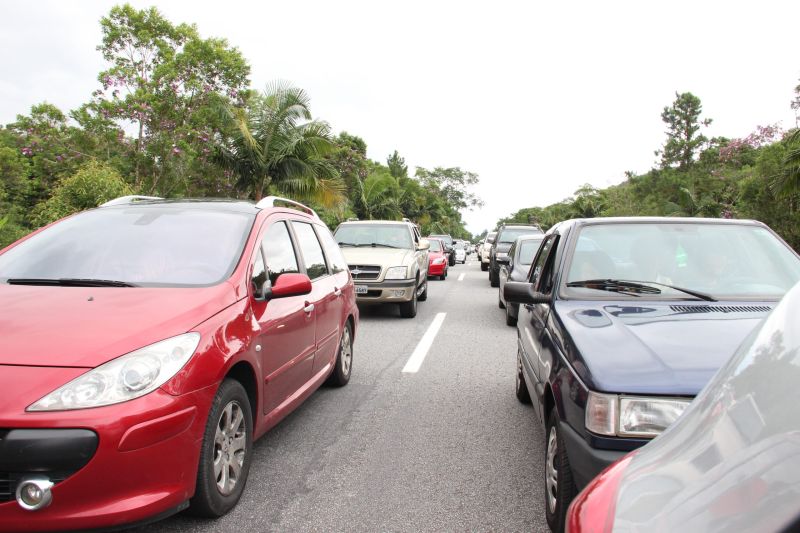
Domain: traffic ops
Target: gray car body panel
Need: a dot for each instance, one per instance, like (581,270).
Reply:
(732,461)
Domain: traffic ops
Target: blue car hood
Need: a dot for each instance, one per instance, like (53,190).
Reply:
(668,348)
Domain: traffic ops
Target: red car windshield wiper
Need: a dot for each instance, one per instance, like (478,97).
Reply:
(635,287)
(70,282)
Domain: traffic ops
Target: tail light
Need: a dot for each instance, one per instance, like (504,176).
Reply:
(592,511)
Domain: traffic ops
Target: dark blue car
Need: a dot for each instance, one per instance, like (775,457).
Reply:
(622,321)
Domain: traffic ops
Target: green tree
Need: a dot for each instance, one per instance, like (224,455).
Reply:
(274,143)
(588,202)
(165,82)
(92,185)
(380,197)
(452,185)
(786,180)
(397,165)
(683,131)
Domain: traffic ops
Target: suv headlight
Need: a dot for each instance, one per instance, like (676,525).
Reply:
(124,378)
(629,416)
(398,272)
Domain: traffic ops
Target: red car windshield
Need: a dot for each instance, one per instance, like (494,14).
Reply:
(142,246)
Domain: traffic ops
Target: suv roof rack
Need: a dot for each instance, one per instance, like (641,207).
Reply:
(130,199)
(269,201)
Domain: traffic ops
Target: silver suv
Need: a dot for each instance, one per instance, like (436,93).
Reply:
(388,261)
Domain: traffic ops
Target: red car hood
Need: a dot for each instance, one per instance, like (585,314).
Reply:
(88,326)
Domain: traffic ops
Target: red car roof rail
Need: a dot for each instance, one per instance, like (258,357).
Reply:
(270,201)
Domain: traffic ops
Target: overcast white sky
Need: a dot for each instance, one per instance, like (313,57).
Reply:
(537,99)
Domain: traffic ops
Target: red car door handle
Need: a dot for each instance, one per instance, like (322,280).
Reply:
(309,308)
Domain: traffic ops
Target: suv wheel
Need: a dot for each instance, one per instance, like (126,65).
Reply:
(344,359)
(226,453)
(484,266)
(409,309)
(494,277)
(559,487)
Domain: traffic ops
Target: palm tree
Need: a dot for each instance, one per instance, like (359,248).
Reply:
(380,197)
(787,182)
(275,144)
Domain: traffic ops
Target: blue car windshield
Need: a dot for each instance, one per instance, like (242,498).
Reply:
(144,246)
(721,260)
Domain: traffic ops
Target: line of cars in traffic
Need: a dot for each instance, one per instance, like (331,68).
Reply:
(621,323)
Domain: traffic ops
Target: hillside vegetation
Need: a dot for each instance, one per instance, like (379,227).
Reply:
(757,177)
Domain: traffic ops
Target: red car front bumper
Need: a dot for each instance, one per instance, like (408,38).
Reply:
(145,463)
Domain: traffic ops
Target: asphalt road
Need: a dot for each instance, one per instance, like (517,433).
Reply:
(448,448)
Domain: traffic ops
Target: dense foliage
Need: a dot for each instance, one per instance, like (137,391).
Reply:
(173,115)
(757,177)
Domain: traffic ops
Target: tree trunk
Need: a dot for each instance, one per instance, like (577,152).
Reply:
(138,150)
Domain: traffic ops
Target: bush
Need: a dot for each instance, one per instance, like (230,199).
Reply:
(93,184)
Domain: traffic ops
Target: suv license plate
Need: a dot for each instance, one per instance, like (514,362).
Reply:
(361,289)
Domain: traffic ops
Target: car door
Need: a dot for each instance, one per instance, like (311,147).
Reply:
(421,256)
(324,297)
(286,337)
(342,291)
(505,269)
(533,318)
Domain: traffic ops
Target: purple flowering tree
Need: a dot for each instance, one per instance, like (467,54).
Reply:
(160,96)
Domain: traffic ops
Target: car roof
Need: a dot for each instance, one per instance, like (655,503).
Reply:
(210,204)
(219,205)
(377,222)
(661,220)
(531,237)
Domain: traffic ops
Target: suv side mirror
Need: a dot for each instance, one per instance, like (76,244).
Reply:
(519,292)
(289,284)
(424,244)
(490,240)
(503,260)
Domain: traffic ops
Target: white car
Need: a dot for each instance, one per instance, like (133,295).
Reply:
(461,253)
(484,249)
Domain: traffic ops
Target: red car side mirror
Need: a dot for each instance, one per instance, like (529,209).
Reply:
(289,284)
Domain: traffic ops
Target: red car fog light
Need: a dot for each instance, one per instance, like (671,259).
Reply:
(33,493)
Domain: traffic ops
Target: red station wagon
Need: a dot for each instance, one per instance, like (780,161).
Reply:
(146,344)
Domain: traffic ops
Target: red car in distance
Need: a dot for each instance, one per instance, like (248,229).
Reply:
(146,344)
(437,259)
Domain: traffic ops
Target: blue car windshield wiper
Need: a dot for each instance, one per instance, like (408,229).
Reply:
(635,287)
(691,292)
(615,285)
